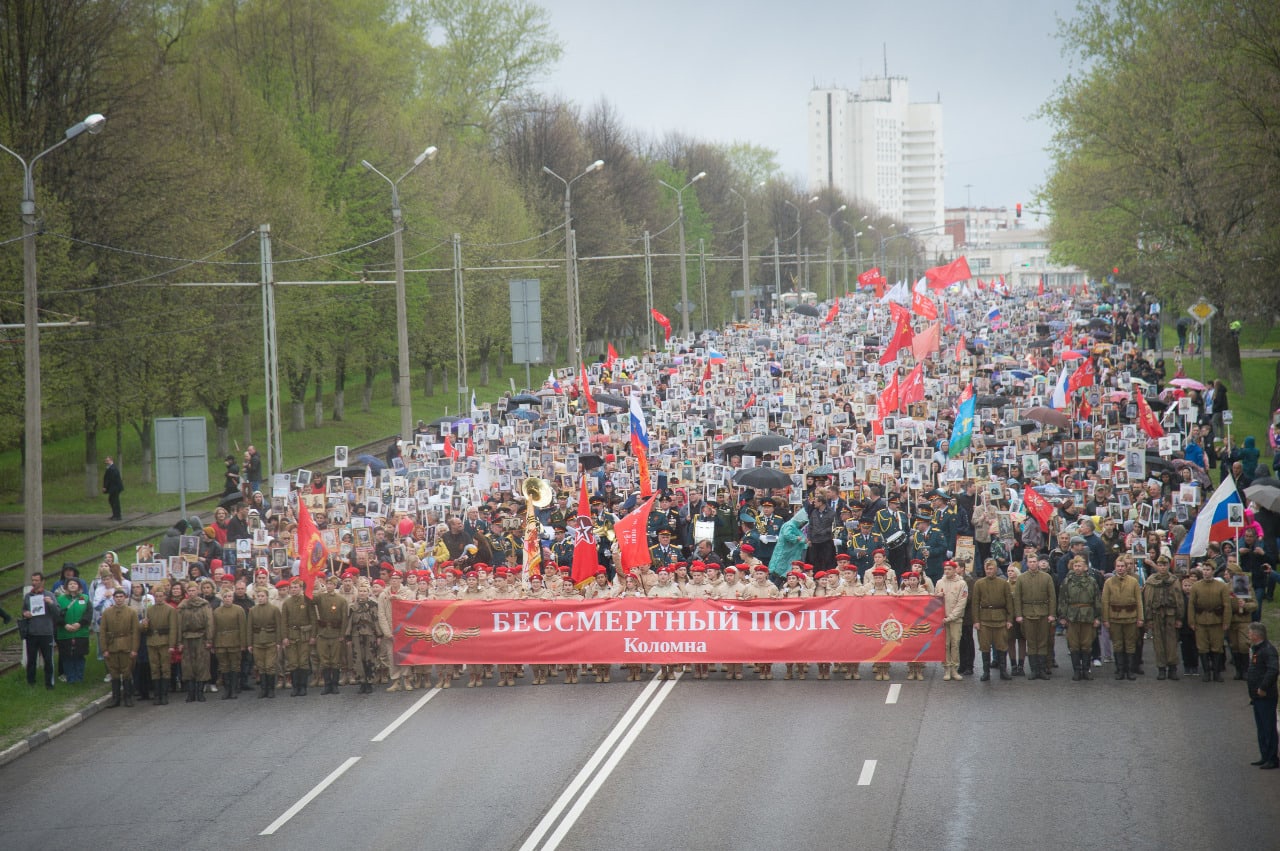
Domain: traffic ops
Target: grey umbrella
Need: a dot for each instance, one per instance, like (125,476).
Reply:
(761,477)
(766,443)
(1266,496)
(610,399)
(806,310)
(524,399)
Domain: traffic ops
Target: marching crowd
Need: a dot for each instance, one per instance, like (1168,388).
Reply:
(1037,464)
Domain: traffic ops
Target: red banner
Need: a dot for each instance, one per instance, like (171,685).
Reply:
(666,631)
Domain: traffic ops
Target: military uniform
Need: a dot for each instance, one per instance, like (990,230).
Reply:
(299,618)
(196,620)
(332,613)
(1080,605)
(266,630)
(1122,613)
(992,605)
(664,556)
(364,629)
(929,546)
(162,638)
(861,546)
(1243,605)
(888,523)
(764,536)
(1210,605)
(118,636)
(230,636)
(1034,604)
(1163,603)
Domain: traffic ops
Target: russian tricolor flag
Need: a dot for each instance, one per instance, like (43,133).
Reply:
(1211,523)
(640,445)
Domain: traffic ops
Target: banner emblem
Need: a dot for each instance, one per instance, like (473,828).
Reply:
(441,633)
(892,629)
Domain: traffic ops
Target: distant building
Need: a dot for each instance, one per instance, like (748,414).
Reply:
(877,148)
(994,245)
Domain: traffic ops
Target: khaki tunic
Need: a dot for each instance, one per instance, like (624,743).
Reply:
(162,636)
(332,613)
(230,636)
(266,631)
(196,619)
(1035,601)
(118,636)
(991,603)
(299,619)
(1209,608)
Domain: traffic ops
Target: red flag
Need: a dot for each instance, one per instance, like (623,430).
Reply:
(901,338)
(1037,506)
(1073,289)
(912,388)
(1084,410)
(832,313)
(888,400)
(586,558)
(880,286)
(311,549)
(586,391)
(706,376)
(898,313)
(1066,338)
(471,447)
(927,341)
(940,277)
(872,278)
(1082,377)
(922,305)
(1146,419)
(1040,289)
(449,451)
(632,532)
(663,322)
(960,349)
(611,356)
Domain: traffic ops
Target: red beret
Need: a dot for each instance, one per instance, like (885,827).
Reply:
(379,583)
(350,572)
(917,561)
(747,548)
(843,557)
(821,574)
(878,550)
(283,584)
(666,568)
(214,564)
(386,565)
(730,568)
(879,571)
(911,574)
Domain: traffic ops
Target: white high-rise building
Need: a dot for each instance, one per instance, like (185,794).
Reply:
(879,149)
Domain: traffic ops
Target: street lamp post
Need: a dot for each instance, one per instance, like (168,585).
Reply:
(570,249)
(402,310)
(684,271)
(33,469)
(746,266)
(830,229)
(796,236)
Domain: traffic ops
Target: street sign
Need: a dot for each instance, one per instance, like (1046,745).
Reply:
(526,321)
(1202,311)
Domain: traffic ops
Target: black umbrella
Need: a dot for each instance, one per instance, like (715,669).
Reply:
(524,399)
(1098,323)
(590,462)
(610,399)
(765,443)
(806,310)
(761,477)
(1027,426)
(991,401)
(1157,465)
(230,499)
(443,421)
(732,447)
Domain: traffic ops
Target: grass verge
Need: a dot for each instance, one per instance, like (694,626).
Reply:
(25,709)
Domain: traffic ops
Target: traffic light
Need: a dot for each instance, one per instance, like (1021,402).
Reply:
(1018,211)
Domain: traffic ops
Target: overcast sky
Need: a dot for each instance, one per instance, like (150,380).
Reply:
(726,71)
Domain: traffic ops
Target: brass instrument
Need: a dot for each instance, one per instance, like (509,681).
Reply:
(538,492)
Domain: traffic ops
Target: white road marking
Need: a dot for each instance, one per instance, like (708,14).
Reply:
(406,715)
(583,775)
(894,690)
(590,792)
(868,769)
(309,797)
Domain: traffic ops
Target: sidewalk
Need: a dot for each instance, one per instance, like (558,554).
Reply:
(100,522)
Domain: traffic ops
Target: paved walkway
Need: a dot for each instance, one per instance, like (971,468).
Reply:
(98,522)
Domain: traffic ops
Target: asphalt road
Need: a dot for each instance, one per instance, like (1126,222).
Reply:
(686,764)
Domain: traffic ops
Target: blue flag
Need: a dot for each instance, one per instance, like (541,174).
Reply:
(962,431)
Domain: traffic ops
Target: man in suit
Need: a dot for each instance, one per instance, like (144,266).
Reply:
(113,486)
(1261,680)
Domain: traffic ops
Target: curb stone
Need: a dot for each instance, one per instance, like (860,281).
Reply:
(51,732)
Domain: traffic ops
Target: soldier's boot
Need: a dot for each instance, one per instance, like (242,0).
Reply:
(1241,662)
(116,692)
(1130,664)
(262,685)
(1220,665)
(955,673)
(986,667)
(1206,667)
(1135,663)
(1173,672)
(306,679)
(156,695)
(271,685)
(1036,663)
(1046,668)
(334,676)
(802,670)
(199,692)
(1161,675)
(226,687)
(328,685)
(1118,657)
(1002,657)
(853,672)
(1076,674)
(191,694)
(126,686)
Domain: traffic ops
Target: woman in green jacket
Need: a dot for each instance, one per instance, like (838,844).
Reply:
(73,629)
